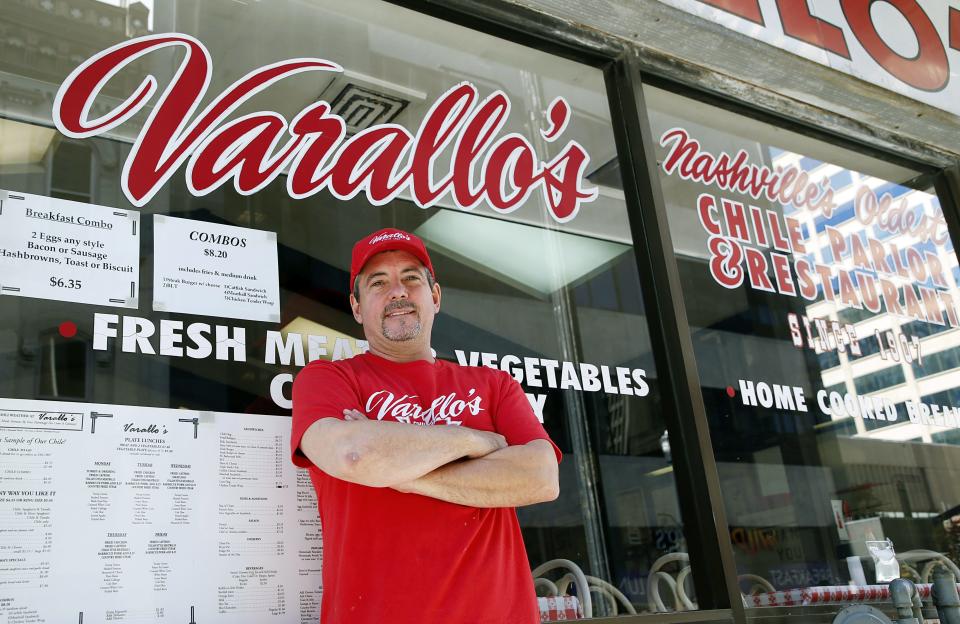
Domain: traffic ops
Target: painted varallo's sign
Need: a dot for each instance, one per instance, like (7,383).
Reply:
(459,151)
(908,46)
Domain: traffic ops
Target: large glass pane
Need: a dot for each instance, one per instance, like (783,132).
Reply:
(821,288)
(169,488)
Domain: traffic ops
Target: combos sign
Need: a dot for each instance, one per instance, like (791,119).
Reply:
(384,161)
(908,46)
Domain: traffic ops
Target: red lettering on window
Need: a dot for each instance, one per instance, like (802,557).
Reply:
(377,161)
(800,24)
(747,9)
(928,70)
(954,28)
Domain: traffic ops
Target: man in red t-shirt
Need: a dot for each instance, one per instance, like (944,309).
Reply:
(418,519)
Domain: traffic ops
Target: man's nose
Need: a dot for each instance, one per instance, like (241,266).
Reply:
(398,290)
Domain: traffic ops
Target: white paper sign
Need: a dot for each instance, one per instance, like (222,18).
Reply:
(68,251)
(153,515)
(215,270)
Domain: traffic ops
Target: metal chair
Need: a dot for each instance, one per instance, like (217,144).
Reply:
(910,558)
(586,587)
(681,601)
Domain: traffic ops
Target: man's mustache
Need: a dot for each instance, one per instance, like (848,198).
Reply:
(399,305)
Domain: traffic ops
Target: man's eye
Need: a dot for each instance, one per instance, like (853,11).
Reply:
(376,284)
(413,278)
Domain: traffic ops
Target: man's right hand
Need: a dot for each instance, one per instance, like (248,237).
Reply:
(487,442)
(384,453)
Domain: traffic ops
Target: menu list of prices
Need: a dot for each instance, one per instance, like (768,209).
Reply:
(68,251)
(130,514)
(215,270)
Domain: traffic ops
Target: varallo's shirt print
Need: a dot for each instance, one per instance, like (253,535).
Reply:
(446,409)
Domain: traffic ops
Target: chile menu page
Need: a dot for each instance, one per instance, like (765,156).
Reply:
(112,513)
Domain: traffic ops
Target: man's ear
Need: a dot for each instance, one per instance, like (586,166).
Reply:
(355,307)
(436,297)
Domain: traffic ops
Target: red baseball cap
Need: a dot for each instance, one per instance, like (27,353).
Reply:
(387,239)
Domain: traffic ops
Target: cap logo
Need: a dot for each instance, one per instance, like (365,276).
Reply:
(391,236)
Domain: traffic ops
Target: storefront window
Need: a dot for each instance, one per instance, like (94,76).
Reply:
(821,290)
(164,347)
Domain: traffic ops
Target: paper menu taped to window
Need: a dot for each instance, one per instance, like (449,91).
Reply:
(155,515)
(215,270)
(68,251)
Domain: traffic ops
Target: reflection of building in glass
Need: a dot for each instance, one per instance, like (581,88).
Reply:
(46,40)
(783,472)
(887,366)
(40,44)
